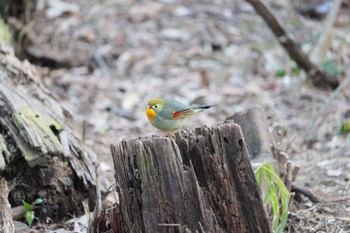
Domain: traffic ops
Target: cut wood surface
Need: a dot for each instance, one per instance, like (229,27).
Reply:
(39,155)
(196,181)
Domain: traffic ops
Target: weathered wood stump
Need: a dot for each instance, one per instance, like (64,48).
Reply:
(39,155)
(197,181)
(255,128)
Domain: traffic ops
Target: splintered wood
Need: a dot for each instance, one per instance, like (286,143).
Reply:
(6,223)
(197,181)
(39,154)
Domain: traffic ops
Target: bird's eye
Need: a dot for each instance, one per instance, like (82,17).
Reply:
(155,106)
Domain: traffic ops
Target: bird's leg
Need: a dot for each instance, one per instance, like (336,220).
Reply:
(170,134)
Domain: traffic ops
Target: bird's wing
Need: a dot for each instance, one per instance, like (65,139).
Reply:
(175,110)
(183,113)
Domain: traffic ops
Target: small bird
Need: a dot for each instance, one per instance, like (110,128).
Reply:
(169,114)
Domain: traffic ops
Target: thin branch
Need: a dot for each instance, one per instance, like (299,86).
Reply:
(318,77)
(324,41)
(299,189)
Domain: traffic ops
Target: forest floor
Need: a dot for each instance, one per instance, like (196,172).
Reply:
(111,57)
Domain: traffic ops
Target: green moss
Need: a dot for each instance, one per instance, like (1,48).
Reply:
(29,154)
(66,162)
(146,165)
(345,127)
(35,129)
(5,34)
(147,162)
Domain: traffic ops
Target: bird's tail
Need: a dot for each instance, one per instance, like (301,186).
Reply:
(200,108)
(189,111)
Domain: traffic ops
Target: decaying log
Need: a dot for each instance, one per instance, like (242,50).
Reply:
(197,181)
(254,125)
(39,155)
(6,224)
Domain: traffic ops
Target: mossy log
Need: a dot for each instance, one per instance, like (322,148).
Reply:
(39,155)
(196,181)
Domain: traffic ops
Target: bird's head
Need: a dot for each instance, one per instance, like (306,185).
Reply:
(154,107)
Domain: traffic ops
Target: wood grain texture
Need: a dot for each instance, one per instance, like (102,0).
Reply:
(39,154)
(197,181)
(6,224)
(255,128)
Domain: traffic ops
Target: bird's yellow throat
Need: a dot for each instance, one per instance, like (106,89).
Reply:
(151,114)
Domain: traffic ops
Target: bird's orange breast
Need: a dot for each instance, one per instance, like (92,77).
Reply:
(151,114)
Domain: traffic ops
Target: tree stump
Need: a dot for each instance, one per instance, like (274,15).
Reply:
(255,128)
(196,181)
(39,155)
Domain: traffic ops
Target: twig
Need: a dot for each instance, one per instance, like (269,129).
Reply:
(325,225)
(318,229)
(295,172)
(305,192)
(345,219)
(339,199)
(98,189)
(299,189)
(201,227)
(318,77)
(83,133)
(324,41)
(288,179)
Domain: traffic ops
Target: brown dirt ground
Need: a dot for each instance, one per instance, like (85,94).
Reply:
(221,53)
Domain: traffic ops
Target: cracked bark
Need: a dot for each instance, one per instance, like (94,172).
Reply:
(197,181)
(39,155)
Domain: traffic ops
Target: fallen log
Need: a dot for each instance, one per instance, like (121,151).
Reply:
(196,181)
(39,155)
